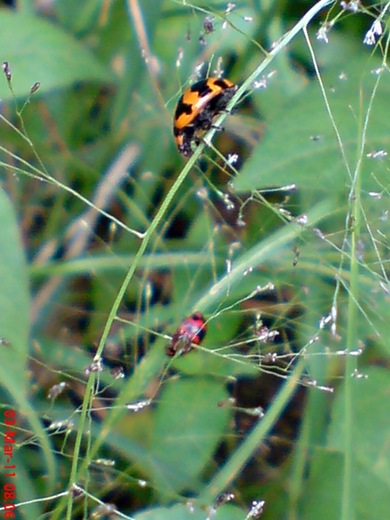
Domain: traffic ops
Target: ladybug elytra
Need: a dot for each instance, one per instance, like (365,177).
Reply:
(190,332)
(197,109)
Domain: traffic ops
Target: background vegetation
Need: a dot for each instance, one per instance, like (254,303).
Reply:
(277,231)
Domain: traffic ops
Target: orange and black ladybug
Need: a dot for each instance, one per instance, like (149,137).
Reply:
(196,110)
(191,332)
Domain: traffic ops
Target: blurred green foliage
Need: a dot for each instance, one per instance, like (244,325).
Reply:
(284,249)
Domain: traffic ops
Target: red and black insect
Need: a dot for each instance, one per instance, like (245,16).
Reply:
(191,332)
(197,109)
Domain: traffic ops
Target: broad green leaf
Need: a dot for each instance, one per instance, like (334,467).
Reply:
(182,512)
(14,333)
(300,144)
(322,494)
(187,429)
(14,303)
(371,469)
(37,50)
(371,429)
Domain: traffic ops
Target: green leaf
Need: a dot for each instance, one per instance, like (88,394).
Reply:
(38,51)
(14,331)
(14,303)
(322,497)
(371,469)
(187,429)
(300,144)
(182,512)
(372,423)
